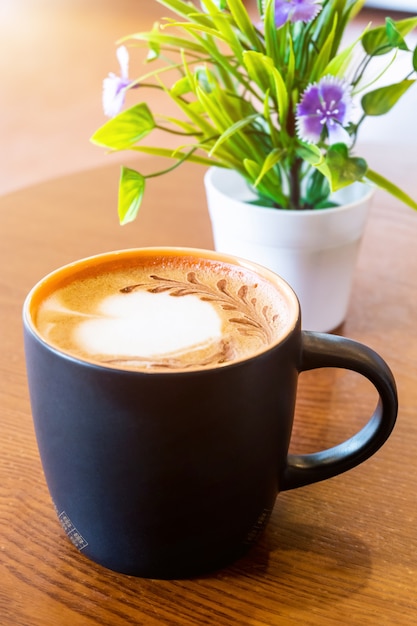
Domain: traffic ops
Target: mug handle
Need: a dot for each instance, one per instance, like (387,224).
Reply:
(323,350)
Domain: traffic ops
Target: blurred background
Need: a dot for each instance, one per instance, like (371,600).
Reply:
(54,56)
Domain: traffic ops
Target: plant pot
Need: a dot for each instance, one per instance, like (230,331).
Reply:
(315,251)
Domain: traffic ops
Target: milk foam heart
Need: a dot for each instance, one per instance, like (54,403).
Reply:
(148,325)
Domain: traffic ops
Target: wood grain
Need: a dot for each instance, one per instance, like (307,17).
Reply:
(339,552)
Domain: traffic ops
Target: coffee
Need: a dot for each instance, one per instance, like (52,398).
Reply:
(171,475)
(153,310)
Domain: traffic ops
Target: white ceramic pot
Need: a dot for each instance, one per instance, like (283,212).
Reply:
(314,251)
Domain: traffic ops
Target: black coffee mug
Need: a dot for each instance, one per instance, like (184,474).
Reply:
(171,475)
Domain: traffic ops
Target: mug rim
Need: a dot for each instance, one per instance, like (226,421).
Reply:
(67,269)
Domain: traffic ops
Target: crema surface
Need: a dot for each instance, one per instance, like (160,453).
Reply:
(161,313)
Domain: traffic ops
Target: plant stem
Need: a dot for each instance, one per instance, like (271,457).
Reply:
(295,165)
(294,182)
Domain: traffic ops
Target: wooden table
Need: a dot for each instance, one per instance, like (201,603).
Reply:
(340,552)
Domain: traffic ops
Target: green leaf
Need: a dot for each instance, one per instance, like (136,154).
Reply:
(342,168)
(274,196)
(183,125)
(181,87)
(208,30)
(221,110)
(196,114)
(206,50)
(131,190)
(262,71)
(154,48)
(329,25)
(376,41)
(185,9)
(291,67)
(222,22)
(380,101)
(215,4)
(271,160)
(273,130)
(244,23)
(310,153)
(282,96)
(215,113)
(415,59)
(318,190)
(156,38)
(252,168)
(338,65)
(176,154)
(153,52)
(192,78)
(126,129)
(258,67)
(394,36)
(270,30)
(395,191)
(261,6)
(324,55)
(236,127)
(356,7)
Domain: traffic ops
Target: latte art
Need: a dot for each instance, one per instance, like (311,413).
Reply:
(146,326)
(162,313)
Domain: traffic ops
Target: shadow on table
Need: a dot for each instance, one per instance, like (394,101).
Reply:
(318,563)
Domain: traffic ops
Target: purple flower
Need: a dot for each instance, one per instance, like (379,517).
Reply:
(114,87)
(325,105)
(296,11)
